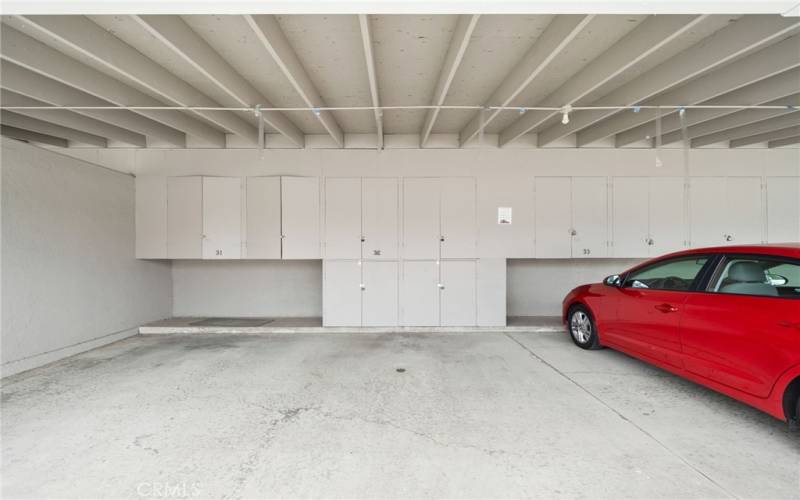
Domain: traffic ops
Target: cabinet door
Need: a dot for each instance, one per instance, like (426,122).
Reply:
(707,213)
(379,216)
(184,217)
(421,230)
(342,218)
(553,214)
(379,303)
(263,218)
(590,217)
(341,293)
(458,208)
(419,296)
(783,209)
(458,299)
(743,220)
(666,214)
(300,217)
(490,293)
(630,222)
(222,218)
(151,217)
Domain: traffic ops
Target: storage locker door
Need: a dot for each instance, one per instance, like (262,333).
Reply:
(380,218)
(491,292)
(744,211)
(300,217)
(553,214)
(629,222)
(419,296)
(458,208)
(783,209)
(707,212)
(184,217)
(590,217)
(263,218)
(379,304)
(151,217)
(421,229)
(342,218)
(666,214)
(222,218)
(341,299)
(458,297)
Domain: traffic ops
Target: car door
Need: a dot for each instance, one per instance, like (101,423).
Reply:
(743,331)
(650,303)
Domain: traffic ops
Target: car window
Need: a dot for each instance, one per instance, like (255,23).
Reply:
(676,274)
(767,277)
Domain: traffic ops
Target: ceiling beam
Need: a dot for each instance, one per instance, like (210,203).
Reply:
(774,89)
(366,39)
(71,119)
(651,35)
(741,37)
(35,125)
(39,58)
(176,35)
(778,143)
(554,39)
(30,136)
(767,62)
(767,137)
(79,34)
(274,41)
(788,119)
(452,61)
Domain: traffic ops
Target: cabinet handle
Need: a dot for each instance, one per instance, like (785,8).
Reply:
(441,238)
(362,286)
(573,232)
(728,237)
(649,241)
(441,286)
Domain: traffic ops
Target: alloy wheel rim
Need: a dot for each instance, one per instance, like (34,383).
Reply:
(581,327)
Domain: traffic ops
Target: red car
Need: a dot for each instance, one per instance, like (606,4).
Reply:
(725,317)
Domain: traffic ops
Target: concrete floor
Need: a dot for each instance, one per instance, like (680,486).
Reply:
(312,415)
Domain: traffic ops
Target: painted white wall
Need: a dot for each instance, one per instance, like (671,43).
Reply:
(70,279)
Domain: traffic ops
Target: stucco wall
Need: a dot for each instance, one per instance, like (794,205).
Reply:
(69,277)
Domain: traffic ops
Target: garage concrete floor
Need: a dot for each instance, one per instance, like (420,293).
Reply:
(366,415)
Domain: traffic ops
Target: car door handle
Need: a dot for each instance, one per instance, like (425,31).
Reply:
(667,308)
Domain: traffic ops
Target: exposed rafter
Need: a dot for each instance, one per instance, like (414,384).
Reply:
(366,39)
(35,125)
(271,36)
(175,34)
(767,137)
(30,136)
(452,61)
(778,89)
(788,141)
(552,42)
(80,34)
(787,120)
(767,62)
(650,36)
(740,38)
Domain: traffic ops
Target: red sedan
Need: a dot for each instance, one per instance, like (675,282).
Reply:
(725,317)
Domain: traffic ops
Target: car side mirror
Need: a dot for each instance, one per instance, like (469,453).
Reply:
(613,280)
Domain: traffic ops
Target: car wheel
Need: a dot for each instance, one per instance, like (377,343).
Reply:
(582,328)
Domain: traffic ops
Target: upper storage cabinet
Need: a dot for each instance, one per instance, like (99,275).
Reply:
(151,217)
(380,221)
(184,217)
(725,211)
(783,209)
(343,218)
(300,217)
(263,218)
(222,217)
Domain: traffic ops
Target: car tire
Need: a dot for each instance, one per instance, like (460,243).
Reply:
(582,328)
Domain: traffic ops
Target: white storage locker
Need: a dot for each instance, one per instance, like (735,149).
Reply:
(419,293)
(184,217)
(630,217)
(708,211)
(342,218)
(744,215)
(342,291)
(151,217)
(553,217)
(380,294)
(263,218)
(222,217)
(421,218)
(300,217)
(667,232)
(380,218)
(589,217)
(457,293)
(783,209)
(458,212)
(490,292)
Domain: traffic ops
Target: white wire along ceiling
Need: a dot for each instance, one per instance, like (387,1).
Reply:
(437,80)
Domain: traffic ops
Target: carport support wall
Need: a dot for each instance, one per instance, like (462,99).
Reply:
(70,281)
